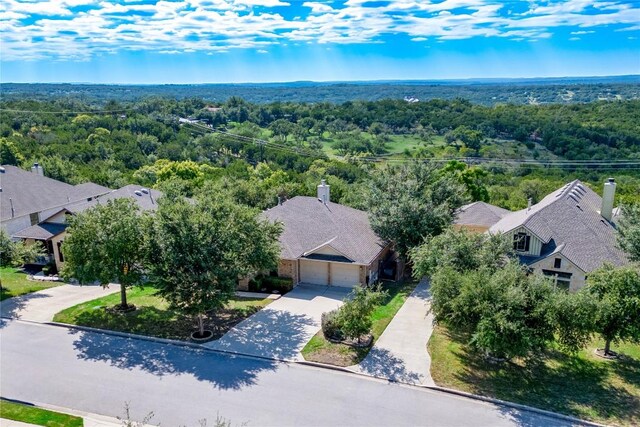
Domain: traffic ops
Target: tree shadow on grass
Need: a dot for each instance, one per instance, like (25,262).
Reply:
(221,371)
(554,381)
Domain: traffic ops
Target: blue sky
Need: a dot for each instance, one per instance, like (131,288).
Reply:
(218,41)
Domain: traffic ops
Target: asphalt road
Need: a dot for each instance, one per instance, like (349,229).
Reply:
(99,373)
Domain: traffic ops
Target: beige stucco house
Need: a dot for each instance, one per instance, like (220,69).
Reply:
(35,208)
(326,243)
(567,235)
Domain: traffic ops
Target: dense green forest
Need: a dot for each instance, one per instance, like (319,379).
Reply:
(482,91)
(258,152)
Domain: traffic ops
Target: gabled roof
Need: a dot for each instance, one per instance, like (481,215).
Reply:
(569,218)
(480,213)
(146,200)
(42,231)
(30,192)
(310,224)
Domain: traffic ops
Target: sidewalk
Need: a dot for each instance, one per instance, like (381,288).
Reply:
(41,306)
(400,354)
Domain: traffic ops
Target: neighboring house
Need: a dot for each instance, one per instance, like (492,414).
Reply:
(27,198)
(478,217)
(46,203)
(326,243)
(567,235)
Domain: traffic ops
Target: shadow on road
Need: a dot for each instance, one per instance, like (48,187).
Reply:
(382,363)
(222,371)
(269,333)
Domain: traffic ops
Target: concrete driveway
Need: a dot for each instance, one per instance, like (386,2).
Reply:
(400,354)
(41,306)
(281,330)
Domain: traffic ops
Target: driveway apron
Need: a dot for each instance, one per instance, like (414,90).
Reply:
(41,306)
(281,330)
(400,354)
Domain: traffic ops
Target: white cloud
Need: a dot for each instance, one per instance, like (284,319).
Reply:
(262,51)
(216,26)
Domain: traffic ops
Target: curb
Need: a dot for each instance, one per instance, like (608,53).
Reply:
(195,346)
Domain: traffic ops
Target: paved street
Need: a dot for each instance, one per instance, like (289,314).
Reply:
(98,373)
(41,306)
(281,330)
(400,354)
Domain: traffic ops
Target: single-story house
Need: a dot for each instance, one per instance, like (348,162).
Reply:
(326,243)
(568,234)
(478,217)
(40,206)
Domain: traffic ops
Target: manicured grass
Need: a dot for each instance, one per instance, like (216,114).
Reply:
(14,283)
(319,349)
(582,385)
(33,415)
(153,316)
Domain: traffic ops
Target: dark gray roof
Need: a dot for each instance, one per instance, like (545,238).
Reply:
(30,192)
(42,231)
(569,218)
(480,213)
(146,201)
(309,224)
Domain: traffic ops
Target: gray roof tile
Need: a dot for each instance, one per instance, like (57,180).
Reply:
(309,224)
(480,213)
(570,219)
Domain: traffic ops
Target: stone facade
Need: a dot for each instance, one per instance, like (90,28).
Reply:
(578,277)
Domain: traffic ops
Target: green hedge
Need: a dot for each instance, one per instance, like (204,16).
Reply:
(270,284)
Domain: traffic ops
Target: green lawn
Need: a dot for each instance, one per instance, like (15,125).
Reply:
(14,283)
(33,415)
(318,349)
(153,317)
(583,385)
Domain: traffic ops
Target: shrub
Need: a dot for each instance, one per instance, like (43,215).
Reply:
(331,325)
(270,284)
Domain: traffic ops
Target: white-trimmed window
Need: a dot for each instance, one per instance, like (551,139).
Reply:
(521,242)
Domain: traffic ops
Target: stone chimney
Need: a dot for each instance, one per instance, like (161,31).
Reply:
(323,192)
(608,194)
(37,169)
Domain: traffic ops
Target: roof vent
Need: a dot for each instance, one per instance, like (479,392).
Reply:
(138,193)
(145,190)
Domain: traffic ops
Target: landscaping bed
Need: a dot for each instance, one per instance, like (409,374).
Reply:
(38,416)
(319,349)
(153,316)
(15,282)
(583,385)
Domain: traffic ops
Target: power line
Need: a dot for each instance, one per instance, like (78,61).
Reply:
(10,110)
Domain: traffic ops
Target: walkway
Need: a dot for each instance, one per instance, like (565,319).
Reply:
(282,329)
(41,306)
(400,354)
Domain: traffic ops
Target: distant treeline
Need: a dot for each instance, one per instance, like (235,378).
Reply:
(490,92)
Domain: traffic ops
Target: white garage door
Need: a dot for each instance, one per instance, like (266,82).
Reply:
(344,274)
(315,272)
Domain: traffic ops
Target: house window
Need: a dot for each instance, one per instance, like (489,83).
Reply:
(557,263)
(521,242)
(60,256)
(35,218)
(562,279)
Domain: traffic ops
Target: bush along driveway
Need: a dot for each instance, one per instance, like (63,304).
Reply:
(154,318)
(319,349)
(400,354)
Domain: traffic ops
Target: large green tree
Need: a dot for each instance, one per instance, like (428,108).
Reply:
(629,231)
(617,313)
(408,203)
(198,249)
(105,244)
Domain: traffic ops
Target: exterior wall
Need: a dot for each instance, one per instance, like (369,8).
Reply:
(13,225)
(327,250)
(59,218)
(373,267)
(56,253)
(535,244)
(578,277)
(289,268)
